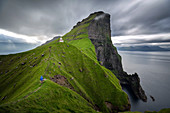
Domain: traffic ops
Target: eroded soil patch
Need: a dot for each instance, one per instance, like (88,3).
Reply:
(61,80)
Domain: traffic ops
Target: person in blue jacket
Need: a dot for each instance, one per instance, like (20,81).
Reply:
(41,79)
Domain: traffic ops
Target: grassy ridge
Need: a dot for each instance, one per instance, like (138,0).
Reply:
(18,75)
(50,98)
(92,85)
(75,59)
(90,81)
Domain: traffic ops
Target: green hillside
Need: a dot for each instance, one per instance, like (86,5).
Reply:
(74,79)
(88,85)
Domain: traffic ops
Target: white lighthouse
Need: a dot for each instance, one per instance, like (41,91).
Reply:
(61,40)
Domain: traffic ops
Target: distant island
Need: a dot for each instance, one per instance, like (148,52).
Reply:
(143,48)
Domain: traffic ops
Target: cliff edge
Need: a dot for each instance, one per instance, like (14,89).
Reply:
(100,34)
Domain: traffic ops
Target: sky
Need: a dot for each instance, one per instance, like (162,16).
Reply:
(133,22)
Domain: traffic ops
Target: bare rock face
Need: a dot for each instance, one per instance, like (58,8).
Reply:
(100,35)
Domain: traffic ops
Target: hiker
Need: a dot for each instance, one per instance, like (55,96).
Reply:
(41,79)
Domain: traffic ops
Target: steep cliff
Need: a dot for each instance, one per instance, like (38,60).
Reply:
(100,34)
(96,27)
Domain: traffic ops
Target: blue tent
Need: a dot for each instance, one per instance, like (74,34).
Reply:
(41,78)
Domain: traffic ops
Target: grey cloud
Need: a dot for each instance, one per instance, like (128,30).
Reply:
(158,41)
(4,39)
(14,45)
(140,41)
(145,18)
(49,17)
(41,17)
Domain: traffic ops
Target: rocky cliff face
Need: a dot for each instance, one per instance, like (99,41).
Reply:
(100,34)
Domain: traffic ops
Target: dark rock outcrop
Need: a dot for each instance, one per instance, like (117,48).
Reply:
(55,38)
(153,99)
(100,35)
(133,81)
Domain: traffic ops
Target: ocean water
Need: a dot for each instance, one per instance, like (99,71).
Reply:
(153,69)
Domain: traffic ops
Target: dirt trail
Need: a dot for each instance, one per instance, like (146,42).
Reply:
(48,60)
(28,94)
(41,84)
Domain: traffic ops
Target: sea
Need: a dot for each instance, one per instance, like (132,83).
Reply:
(153,69)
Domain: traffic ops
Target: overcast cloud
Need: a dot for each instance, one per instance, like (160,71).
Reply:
(47,18)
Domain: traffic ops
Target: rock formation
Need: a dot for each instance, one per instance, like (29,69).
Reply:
(100,34)
(55,38)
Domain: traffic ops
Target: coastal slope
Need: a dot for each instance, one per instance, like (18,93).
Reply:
(96,27)
(75,80)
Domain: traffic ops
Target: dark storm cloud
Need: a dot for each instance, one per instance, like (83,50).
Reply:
(49,17)
(40,17)
(8,39)
(14,45)
(145,17)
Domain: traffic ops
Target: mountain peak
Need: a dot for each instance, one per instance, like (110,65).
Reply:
(93,16)
(96,27)
(97,13)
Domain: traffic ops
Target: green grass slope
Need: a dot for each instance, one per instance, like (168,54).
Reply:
(78,37)
(92,84)
(85,85)
(49,98)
